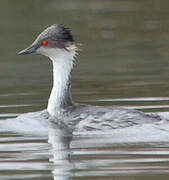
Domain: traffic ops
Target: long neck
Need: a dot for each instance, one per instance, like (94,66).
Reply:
(60,97)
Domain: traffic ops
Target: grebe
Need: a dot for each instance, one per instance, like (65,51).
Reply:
(57,43)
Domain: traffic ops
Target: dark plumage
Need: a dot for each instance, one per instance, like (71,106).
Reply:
(57,36)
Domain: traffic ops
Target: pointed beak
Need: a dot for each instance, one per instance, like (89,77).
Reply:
(29,50)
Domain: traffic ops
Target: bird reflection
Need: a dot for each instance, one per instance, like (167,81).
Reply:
(59,136)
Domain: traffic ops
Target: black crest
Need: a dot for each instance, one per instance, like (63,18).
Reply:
(57,32)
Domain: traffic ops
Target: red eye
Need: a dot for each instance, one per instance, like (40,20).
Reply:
(44,43)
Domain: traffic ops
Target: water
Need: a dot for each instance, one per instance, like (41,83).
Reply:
(124,61)
(62,158)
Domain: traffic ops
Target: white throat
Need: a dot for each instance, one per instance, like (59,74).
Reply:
(60,96)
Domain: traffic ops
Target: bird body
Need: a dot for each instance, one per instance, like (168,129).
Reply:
(57,43)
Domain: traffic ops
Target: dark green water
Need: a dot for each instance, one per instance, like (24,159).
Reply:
(124,61)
